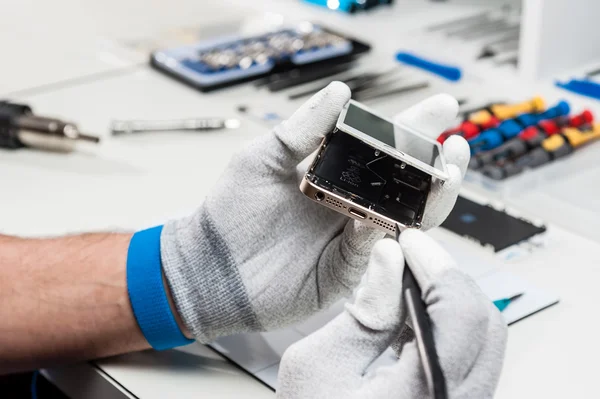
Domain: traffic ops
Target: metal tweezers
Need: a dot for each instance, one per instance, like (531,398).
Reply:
(417,309)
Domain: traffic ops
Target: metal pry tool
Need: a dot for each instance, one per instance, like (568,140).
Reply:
(417,309)
(191,124)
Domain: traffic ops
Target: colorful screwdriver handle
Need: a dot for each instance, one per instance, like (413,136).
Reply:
(506,130)
(507,111)
(582,119)
(468,129)
(554,147)
(553,126)
(528,139)
(577,137)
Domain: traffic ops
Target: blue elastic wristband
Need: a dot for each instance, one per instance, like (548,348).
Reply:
(147,292)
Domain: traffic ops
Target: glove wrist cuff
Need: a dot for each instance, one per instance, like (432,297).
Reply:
(204,279)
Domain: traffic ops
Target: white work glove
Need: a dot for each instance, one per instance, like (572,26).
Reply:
(469,333)
(258,254)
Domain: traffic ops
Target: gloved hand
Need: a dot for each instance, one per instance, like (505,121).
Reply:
(258,254)
(469,333)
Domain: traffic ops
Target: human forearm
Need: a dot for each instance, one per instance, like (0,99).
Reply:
(64,299)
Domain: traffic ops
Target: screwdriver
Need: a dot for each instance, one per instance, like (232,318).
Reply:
(468,129)
(19,127)
(507,111)
(508,129)
(464,114)
(529,138)
(373,93)
(120,127)
(554,147)
(417,310)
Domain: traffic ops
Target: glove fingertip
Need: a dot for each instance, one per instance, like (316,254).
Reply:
(388,253)
(378,298)
(457,152)
(431,116)
(427,258)
(360,237)
(455,179)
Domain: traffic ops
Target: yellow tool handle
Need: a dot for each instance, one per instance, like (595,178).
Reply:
(554,142)
(579,137)
(504,111)
(480,117)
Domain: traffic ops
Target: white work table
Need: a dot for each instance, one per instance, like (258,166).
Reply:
(138,181)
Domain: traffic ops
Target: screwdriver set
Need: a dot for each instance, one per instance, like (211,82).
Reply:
(222,62)
(506,139)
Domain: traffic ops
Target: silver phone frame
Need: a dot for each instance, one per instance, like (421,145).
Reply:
(391,151)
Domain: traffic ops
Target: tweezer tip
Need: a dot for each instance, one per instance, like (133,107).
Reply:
(515,297)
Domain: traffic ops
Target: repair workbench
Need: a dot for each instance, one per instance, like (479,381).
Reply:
(93,79)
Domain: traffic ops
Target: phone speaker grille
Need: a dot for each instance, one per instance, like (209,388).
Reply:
(334,202)
(384,224)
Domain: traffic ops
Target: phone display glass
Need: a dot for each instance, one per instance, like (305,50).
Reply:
(396,140)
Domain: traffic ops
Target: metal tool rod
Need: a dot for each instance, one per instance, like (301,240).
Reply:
(368,95)
(417,309)
(194,124)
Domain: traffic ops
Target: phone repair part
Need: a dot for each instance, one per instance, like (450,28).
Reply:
(472,221)
(375,171)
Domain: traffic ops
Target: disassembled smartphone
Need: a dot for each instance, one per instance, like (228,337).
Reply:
(374,170)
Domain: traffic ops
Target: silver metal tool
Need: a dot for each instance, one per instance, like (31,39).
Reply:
(120,127)
(49,133)
(373,93)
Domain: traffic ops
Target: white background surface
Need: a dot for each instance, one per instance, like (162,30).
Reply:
(138,181)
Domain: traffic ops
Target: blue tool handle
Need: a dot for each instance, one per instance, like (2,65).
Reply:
(511,127)
(586,88)
(526,120)
(487,140)
(560,109)
(445,71)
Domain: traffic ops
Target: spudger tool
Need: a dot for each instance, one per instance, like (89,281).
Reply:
(120,127)
(417,309)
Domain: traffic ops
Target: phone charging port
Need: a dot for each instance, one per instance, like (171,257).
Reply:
(358,214)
